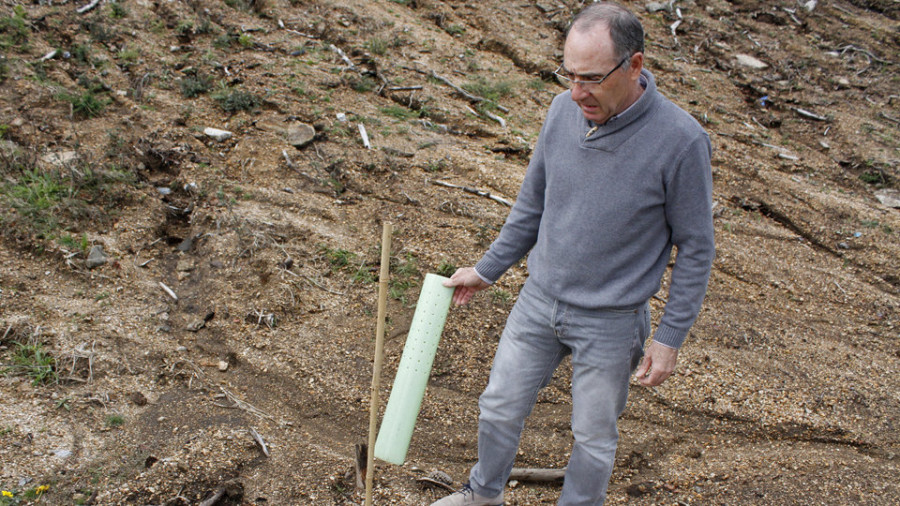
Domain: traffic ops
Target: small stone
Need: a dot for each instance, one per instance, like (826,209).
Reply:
(196,325)
(181,349)
(746,60)
(842,83)
(223,365)
(138,399)
(184,265)
(300,134)
(61,159)
(889,197)
(96,257)
(216,134)
(185,245)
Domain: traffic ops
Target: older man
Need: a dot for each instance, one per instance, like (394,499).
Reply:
(619,176)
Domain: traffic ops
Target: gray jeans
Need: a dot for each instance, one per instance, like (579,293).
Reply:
(606,346)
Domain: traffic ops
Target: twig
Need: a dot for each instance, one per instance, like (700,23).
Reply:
(343,56)
(889,118)
(317,285)
(404,88)
(287,159)
(213,499)
(480,193)
(810,115)
(259,441)
(839,287)
(168,291)
(82,10)
(464,93)
(364,135)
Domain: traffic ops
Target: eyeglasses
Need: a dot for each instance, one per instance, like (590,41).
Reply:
(569,80)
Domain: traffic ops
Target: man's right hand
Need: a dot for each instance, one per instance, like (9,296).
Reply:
(467,283)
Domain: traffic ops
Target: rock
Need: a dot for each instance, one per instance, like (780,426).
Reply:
(300,134)
(890,198)
(60,159)
(63,454)
(223,365)
(96,257)
(746,60)
(185,245)
(196,325)
(659,6)
(216,134)
(138,398)
(842,83)
(184,265)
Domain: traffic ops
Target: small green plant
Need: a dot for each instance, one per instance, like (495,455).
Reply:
(364,275)
(184,29)
(445,269)
(14,29)
(85,105)
(399,112)
(362,84)
(337,258)
(246,40)
(436,165)
(232,101)
(34,361)
(64,404)
(377,46)
(70,242)
(193,86)
(490,90)
(117,10)
(115,420)
(455,29)
(500,296)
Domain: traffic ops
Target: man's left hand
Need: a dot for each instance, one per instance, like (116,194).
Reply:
(657,365)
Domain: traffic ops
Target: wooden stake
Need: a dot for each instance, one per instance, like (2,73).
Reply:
(379,351)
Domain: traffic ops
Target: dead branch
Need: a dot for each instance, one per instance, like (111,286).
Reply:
(168,291)
(317,285)
(213,499)
(480,193)
(809,115)
(259,441)
(468,96)
(343,56)
(537,475)
(86,8)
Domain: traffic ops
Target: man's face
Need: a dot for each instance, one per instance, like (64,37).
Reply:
(588,54)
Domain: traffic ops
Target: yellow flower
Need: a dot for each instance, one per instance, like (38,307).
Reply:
(40,490)
(7,493)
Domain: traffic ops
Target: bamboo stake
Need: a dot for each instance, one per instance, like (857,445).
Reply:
(379,351)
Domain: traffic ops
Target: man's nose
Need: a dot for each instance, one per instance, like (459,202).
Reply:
(579,92)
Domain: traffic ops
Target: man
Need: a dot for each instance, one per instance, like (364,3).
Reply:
(619,176)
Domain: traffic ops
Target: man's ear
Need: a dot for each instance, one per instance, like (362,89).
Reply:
(635,64)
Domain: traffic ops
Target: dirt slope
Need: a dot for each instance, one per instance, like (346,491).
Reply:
(787,391)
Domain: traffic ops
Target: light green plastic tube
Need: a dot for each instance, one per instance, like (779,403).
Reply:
(413,372)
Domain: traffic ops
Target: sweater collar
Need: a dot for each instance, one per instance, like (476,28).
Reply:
(635,110)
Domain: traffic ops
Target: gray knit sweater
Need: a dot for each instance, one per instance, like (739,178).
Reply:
(600,213)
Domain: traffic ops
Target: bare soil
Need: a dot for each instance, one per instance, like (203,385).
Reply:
(787,391)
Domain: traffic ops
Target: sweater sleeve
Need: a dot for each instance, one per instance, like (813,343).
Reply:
(689,215)
(520,231)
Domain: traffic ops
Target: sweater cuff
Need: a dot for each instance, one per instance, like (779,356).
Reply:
(488,271)
(486,280)
(670,337)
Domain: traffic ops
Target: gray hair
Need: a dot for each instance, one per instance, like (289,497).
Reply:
(624,27)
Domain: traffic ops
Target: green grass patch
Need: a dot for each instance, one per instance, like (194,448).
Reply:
(232,101)
(115,420)
(399,112)
(85,105)
(14,29)
(35,362)
(193,86)
(47,204)
(445,269)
